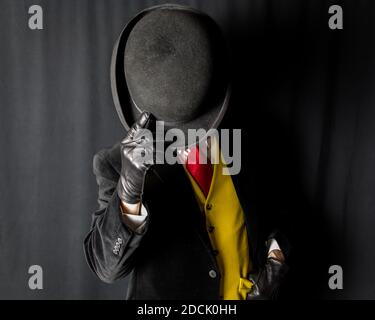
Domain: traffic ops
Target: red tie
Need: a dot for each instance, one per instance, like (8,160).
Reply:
(201,172)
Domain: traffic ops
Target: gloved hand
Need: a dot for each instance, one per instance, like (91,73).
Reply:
(268,280)
(137,156)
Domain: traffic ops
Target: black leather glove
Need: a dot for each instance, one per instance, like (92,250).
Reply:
(137,156)
(268,280)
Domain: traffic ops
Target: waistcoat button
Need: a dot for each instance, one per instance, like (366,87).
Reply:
(212,274)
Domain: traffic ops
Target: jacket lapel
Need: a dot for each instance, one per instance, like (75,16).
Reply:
(180,190)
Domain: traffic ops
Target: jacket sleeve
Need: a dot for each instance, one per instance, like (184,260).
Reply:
(110,246)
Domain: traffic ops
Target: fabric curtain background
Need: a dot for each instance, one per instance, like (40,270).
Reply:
(303,94)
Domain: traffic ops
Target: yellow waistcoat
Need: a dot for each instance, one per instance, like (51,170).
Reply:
(226,228)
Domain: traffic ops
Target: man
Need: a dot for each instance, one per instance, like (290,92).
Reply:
(178,231)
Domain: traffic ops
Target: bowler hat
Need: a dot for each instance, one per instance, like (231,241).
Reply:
(171,60)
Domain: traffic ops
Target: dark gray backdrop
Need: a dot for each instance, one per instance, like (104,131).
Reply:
(309,98)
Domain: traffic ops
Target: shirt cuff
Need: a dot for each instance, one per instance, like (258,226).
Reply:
(136,222)
(273,245)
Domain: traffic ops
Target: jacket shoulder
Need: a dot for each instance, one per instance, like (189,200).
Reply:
(107,162)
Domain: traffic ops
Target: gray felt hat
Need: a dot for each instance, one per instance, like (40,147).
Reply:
(171,60)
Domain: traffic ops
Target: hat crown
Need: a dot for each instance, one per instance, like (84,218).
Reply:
(172,64)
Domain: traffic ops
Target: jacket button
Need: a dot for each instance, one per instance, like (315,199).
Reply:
(215,252)
(209,206)
(212,274)
(211,229)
